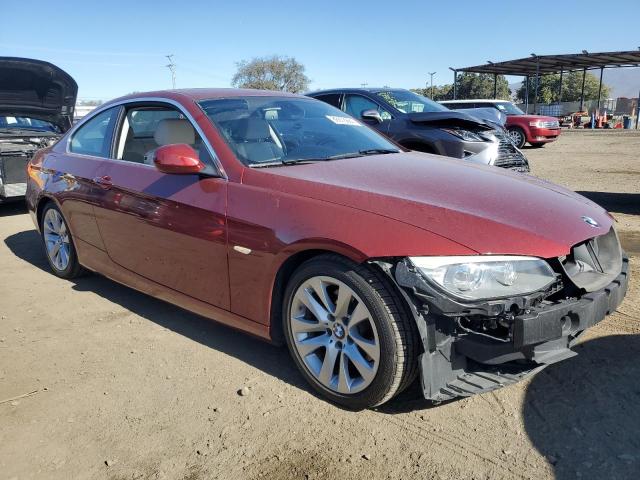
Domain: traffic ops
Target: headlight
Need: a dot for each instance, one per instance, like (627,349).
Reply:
(484,277)
(537,123)
(466,135)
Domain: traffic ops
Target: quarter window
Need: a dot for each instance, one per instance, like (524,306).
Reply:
(332,99)
(146,128)
(94,137)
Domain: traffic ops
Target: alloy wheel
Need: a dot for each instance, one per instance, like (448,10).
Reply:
(517,137)
(334,335)
(56,238)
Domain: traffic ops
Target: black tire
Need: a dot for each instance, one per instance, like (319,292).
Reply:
(73,268)
(538,145)
(521,137)
(397,332)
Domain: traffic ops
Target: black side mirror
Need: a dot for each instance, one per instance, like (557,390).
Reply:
(371,116)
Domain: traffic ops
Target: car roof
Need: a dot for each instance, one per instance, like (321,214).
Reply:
(353,90)
(198,94)
(471,100)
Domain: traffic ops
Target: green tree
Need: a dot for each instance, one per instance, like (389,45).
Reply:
(469,85)
(571,87)
(271,73)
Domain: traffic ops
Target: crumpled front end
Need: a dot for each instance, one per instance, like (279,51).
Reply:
(475,347)
(15,153)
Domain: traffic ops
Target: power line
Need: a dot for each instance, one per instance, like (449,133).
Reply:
(172,68)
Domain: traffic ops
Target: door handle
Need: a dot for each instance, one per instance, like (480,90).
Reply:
(104,181)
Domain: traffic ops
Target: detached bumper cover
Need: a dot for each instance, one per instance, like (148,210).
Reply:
(467,364)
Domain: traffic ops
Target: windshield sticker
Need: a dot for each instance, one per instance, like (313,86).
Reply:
(344,121)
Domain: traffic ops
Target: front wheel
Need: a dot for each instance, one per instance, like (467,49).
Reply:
(517,136)
(348,332)
(58,244)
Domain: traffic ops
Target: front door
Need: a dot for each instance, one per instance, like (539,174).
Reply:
(168,228)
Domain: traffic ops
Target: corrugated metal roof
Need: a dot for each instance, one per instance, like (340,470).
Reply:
(555,63)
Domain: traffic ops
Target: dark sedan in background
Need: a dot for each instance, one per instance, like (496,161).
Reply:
(420,124)
(36,107)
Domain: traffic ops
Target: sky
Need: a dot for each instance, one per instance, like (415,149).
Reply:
(115,47)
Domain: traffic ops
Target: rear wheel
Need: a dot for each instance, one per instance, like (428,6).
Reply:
(517,136)
(58,244)
(348,332)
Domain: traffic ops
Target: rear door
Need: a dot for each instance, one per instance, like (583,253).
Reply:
(168,228)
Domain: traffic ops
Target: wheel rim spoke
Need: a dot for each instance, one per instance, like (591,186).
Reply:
(328,364)
(344,379)
(360,314)
(314,306)
(358,361)
(343,301)
(302,325)
(320,289)
(370,347)
(311,344)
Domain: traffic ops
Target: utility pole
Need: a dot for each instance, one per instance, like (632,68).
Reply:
(432,74)
(364,84)
(172,68)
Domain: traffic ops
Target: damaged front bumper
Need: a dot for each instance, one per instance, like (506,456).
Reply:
(459,362)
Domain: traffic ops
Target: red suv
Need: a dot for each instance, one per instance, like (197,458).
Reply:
(523,128)
(283,216)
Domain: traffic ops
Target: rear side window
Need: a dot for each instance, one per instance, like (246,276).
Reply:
(94,137)
(332,99)
(145,128)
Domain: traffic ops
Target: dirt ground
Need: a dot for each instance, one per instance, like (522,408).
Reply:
(128,387)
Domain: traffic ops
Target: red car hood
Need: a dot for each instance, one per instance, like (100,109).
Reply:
(534,118)
(487,209)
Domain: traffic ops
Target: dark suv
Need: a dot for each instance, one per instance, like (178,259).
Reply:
(418,123)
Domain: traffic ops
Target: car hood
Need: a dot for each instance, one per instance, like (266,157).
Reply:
(449,119)
(37,89)
(531,118)
(486,209)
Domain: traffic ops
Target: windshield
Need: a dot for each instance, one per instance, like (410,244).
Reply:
(409,102)
(27,123)
(267,130)
(509,108)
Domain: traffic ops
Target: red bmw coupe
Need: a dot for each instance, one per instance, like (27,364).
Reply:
(282,216)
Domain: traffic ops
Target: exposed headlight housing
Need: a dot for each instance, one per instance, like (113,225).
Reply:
(485,277)
(466,135)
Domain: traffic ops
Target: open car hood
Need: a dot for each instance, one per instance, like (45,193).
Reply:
(449,119)
(37,89)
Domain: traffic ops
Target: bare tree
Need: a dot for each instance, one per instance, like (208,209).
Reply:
(271,73)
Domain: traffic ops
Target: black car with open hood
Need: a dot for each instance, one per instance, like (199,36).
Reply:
(418,123)
(37,100)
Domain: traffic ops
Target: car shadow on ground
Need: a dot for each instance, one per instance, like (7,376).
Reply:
(628,203)
(270,359)
(583,414)
(12,208)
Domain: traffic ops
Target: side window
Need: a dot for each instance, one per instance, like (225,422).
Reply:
(145,128)
(332,99)
(94,137)
(354,105)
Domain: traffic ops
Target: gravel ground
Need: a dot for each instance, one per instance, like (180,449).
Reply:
(122,386)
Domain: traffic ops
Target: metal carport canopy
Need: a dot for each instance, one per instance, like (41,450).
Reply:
(547,64)
(537,65)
